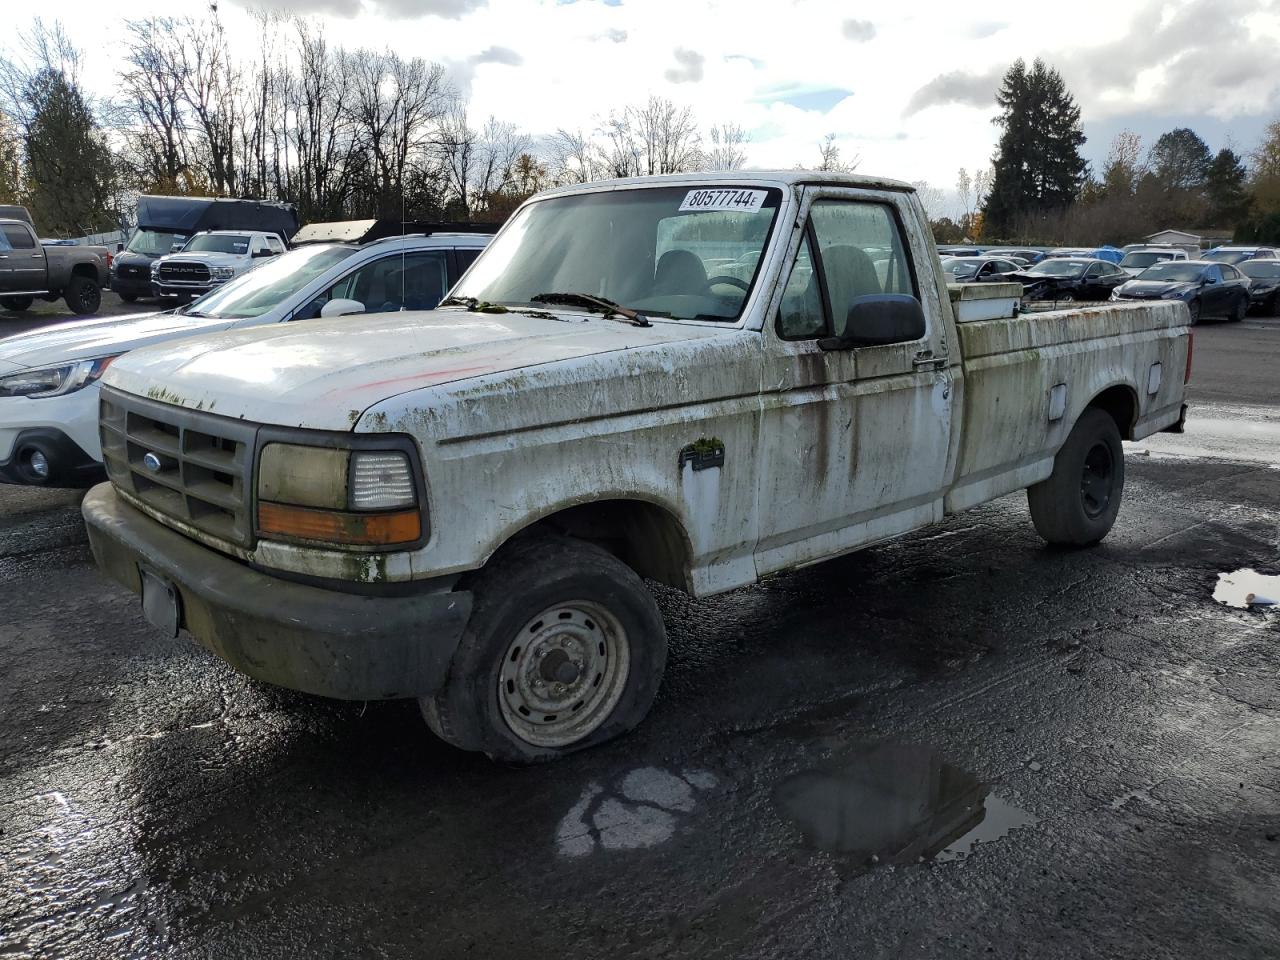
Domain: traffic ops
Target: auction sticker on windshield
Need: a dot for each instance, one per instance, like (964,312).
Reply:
(724,198)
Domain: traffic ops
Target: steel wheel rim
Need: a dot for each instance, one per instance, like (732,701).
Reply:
(1095,480)
(563,674)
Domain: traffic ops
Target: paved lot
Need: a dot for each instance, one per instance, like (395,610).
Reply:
(42,314)
(1120,728)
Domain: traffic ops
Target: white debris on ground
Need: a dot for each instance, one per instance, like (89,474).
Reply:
(1247,588)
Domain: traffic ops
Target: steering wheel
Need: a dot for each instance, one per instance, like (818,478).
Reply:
(732,281)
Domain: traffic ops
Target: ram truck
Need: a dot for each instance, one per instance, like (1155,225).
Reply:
(463,505)
(209,260)
(29,269)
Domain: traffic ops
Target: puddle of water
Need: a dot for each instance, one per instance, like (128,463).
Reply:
(1247,588)
(898,804)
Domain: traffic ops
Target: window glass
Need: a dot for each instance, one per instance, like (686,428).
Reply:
(274,244)
(465,258)
(217,243)
(1229,273)
(800,316)
(1214,273)
(688,252)
(1094,271)
(412,281)
(863,254)
(254,293)
(18,238)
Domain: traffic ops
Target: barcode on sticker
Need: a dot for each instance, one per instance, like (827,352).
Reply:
(724,198)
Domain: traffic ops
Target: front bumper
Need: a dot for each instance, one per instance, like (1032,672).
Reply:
(308,638)
(139,286)
(181,289)
(68,464)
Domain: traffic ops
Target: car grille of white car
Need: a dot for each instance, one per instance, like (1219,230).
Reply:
(190,466)
(183,271)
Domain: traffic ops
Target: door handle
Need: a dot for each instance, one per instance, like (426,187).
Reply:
(36,256)
(4,256)
(925,360)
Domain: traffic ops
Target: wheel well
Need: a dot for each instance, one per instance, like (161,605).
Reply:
(644,536)
(1122,405)
(85,270)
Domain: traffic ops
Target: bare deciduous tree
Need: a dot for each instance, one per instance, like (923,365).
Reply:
(728,147)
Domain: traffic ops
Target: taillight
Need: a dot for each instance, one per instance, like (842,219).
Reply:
(1191,342)
(110,258)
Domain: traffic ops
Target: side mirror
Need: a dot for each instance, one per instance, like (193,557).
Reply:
(119,248)
(877,320)
(264,252)
(1210,279)
(341,308)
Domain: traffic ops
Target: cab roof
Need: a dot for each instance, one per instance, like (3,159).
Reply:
(771,178)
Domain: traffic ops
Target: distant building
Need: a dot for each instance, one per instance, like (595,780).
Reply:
(1189,242)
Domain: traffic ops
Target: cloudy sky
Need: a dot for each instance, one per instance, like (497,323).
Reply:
(907,87)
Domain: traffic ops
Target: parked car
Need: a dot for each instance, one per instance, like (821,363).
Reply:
(1264,284)
(210,259)
(461,505)
(29,269)
(1068,279)
(1076,252)
(49,379)
(1139,258)
(165,224)
(978,269)
(1208,289)
(1031,257)
(1234,255)
(952,250)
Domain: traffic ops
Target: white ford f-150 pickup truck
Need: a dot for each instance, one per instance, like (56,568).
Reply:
(462,505)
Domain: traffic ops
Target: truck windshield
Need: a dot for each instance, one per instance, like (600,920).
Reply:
(217,243)
(154,243)
(254,293)
(688,253)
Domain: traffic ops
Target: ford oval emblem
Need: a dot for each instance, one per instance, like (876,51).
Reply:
(152,463)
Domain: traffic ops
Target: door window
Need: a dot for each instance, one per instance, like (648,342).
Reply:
(412,281)
(18,239)
(862,253)
(800,317)
(274,245)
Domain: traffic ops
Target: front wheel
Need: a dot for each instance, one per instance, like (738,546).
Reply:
(1077,504)
(16,303)
(83,295)
(1194,309)
(1240,310)
(564,650)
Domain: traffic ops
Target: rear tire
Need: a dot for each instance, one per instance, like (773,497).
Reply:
(564,650)
(16,303)
(1194,309)
(1076,506)
(1240,310)
(83,295)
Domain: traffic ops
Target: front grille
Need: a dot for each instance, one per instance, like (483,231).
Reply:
(184,271)
(201,468)
(128,271)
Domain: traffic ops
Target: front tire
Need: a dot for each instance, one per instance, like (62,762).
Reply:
(1194,309)
(1076,506)
(564,650)
(83,295)
(1240,310)
(16,303)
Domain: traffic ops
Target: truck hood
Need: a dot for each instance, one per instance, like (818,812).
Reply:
(323,374)
(100,337)
(211,257)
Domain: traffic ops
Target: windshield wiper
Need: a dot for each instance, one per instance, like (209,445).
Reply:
(608,307)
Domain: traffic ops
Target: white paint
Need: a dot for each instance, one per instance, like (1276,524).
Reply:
(1247,588)
(643,809)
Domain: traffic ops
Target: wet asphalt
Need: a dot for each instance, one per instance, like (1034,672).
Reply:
(958,744)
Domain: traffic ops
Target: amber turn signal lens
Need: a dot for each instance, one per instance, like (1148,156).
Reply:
(332,526)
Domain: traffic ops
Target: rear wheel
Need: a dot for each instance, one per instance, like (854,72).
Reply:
(1241,309)
(564,650)
(16,303)
(1194,308)
(1078,503)
(83,295)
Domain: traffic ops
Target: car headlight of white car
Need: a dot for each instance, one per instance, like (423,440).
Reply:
(223,273)
(54,381)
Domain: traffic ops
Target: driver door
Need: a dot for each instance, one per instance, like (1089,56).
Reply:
(855,443)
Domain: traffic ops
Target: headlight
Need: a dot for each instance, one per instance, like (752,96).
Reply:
(331,495)
(54,381)
(155,267)
(1176,294)
(223,273)
(1115,294)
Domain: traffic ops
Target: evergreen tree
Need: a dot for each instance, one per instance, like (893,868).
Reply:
(1180,160)
(1037,168)
(1225,189)
(69,170)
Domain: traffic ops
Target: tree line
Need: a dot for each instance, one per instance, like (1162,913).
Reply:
(1041,190)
